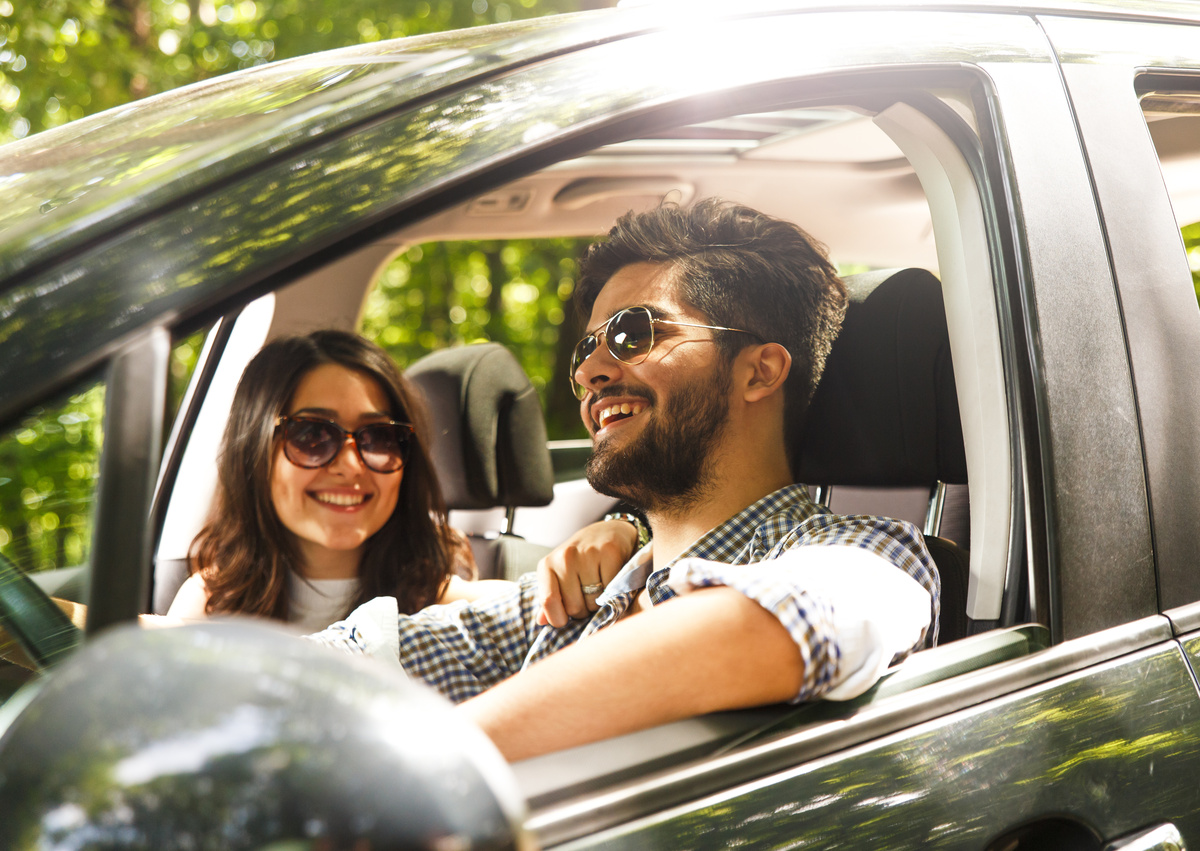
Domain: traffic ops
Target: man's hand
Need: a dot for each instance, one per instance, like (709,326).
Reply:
(585,563)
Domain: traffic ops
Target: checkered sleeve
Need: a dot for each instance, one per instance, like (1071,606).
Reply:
(896,541)
(461,649)
(801,591)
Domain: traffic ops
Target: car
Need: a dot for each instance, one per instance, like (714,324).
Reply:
(1037,161)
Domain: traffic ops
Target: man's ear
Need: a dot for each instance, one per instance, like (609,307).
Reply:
(768,366)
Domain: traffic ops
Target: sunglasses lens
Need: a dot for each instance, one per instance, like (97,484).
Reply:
(311,443)
(383,447)
(630,335)
(583,351)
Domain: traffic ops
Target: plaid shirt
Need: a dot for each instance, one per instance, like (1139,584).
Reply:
(463,649)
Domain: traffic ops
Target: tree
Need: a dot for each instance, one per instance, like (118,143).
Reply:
(63,59)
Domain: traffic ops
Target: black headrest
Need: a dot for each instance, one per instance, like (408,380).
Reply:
(489,445)
(886,412)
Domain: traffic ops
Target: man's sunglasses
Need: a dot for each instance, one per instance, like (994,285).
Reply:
(629,336)
(310,442)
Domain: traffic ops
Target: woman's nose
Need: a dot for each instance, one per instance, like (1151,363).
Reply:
(347,456)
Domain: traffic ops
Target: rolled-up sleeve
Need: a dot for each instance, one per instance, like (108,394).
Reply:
(833,583)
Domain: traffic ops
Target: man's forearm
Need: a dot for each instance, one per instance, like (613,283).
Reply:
(711,650)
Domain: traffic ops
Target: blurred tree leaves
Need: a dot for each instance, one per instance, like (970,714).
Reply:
(46,507)
(63,59)
(514,292)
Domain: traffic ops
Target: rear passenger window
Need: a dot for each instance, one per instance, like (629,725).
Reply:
(1174,122)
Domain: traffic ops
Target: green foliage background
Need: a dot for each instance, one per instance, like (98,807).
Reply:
(63,59)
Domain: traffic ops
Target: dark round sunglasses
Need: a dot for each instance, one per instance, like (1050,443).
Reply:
(629,336)
(310,442)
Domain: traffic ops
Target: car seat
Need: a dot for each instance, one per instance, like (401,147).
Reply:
(489,445)
(885,414)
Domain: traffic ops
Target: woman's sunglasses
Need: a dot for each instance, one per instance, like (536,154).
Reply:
(310,442)
(629,336)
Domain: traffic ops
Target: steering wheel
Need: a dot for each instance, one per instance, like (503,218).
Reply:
(32,619)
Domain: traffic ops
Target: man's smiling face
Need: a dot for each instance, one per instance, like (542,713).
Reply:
(655,424)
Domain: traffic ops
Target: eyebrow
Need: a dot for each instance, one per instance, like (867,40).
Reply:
(655,311)
(329,414)
(658,313)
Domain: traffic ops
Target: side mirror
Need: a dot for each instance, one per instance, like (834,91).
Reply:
(239,735)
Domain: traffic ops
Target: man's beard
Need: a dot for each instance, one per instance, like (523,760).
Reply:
(667,467)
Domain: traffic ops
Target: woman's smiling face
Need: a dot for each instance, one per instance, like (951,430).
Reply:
(333,510)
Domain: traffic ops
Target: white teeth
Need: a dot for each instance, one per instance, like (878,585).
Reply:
(625,409)
(339,498)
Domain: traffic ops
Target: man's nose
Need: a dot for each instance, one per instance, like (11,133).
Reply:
(598,368)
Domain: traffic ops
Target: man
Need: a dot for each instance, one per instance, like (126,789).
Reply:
(710,328)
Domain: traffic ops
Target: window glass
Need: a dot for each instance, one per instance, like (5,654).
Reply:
(51,461)
(1174,122)
(49,469)
(49,466)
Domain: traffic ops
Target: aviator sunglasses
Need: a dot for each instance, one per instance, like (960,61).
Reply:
(310,442)
(629,336)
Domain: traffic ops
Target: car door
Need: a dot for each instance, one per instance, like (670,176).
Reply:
(1139,110)
(1088,741)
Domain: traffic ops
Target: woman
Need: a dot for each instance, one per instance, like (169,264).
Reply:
(326,497)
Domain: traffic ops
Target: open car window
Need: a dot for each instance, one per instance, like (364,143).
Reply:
(854,178)
(840,170)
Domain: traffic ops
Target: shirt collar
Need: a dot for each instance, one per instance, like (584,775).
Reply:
(727,542)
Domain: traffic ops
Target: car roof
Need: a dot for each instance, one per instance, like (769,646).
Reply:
(1185,10)
(67,185)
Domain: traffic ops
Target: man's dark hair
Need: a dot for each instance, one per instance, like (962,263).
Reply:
(742,269)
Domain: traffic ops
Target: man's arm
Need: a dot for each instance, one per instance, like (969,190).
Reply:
(711,650)
(741,635)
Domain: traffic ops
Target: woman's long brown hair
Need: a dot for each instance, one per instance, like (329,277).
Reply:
(244,550)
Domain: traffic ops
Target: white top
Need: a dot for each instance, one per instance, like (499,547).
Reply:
(314,604)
